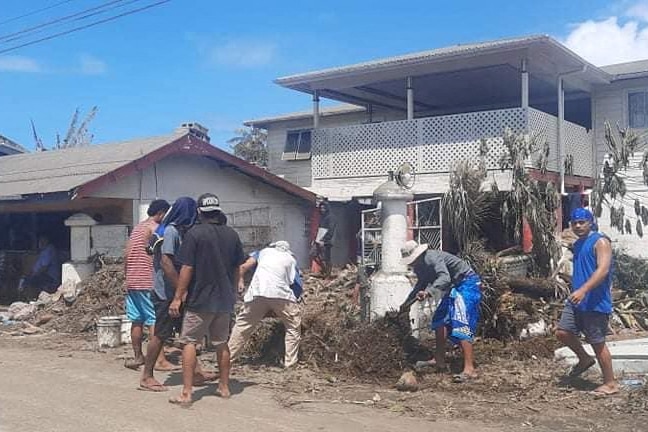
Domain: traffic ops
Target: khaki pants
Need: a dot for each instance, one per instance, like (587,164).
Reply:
(253,312)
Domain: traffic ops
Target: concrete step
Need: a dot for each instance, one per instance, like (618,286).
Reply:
(629,356)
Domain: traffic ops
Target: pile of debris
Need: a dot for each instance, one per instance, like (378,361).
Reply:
(100,295)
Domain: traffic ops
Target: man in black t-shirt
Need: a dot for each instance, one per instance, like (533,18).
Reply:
(210,255)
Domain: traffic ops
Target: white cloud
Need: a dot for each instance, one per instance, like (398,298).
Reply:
(245,53)
(19,64)
(89,65)
(614,39)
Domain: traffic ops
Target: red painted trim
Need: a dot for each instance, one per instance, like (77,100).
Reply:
(575,181)
(188,144)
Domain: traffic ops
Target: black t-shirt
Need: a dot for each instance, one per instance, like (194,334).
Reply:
(215,252)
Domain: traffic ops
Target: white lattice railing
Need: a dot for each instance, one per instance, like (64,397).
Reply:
(431,144)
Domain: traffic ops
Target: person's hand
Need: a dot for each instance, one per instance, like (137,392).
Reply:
(174,308)
(241,286)
(577,296)
(422,295)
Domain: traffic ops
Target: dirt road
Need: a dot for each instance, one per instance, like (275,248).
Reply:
(55,391)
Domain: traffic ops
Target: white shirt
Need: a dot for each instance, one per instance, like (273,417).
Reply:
(275,272)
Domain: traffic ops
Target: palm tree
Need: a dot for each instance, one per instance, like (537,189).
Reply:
(250,144)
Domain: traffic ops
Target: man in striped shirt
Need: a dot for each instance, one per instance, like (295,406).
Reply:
(139,282)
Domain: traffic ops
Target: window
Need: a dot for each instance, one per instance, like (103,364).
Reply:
(298,145)
(638,109)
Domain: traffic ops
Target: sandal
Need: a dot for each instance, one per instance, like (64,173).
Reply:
(155,388)
(462,378)
(133,364)
(579,369)
(182,403)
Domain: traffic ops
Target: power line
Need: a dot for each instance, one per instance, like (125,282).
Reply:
(34,12)
(76,29)
(73,17)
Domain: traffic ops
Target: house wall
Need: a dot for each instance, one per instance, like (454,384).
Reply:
(610,103)
(299,172)
(188,175)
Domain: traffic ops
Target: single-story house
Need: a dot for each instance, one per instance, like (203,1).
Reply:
(113,183)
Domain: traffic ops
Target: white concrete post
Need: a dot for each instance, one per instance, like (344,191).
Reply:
(316,110)
(410,99)
(525,85)
(559,134)
(390,286)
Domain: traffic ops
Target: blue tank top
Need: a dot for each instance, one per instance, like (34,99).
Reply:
(599,299)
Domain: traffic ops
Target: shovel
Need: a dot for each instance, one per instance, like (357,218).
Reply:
(403,309)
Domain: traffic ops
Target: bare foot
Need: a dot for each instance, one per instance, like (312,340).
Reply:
(134,364)
(166,366)
(223,392)
(606,390)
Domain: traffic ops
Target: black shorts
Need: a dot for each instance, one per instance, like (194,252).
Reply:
(594,325)
(165,324)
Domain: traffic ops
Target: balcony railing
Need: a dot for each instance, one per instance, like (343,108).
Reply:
(433,144)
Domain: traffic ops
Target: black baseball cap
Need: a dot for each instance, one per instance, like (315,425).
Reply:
(208,202)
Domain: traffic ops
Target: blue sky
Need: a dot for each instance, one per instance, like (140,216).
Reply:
(214,62)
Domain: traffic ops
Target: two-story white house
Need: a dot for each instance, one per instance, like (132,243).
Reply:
(432,108)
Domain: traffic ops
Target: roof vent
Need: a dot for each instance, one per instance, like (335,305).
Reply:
(195,129)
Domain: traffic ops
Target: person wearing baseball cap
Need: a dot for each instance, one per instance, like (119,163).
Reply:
(588,308)
(442,274)
(210,256)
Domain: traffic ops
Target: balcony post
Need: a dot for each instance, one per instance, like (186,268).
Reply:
(559,134)
(525,85)
(410,99)
(316,110)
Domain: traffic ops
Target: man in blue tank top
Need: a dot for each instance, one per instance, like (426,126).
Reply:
(588,308)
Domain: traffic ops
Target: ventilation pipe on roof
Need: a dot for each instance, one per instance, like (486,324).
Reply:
(561,120)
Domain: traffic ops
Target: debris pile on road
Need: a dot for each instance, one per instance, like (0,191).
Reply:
(101,294)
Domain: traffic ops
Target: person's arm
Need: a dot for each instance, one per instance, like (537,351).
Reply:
(169,270)
(242,270)
(442,282)
(170,247)
(186,273)
(603,250)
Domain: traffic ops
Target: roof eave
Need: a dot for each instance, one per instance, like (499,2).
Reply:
(188,144)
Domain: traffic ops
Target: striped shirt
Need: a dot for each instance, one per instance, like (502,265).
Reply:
(139,264)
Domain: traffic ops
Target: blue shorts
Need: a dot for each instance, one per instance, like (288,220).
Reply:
(459,310)
(139,307)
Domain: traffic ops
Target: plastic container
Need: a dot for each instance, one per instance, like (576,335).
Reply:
(126,325)
(109,331)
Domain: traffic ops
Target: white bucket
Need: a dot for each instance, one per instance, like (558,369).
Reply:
(126,325)
(109,331)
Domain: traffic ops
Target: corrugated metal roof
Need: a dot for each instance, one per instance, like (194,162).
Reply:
(428,56)
(11,146)
(635,69)
(64,170)
(324,112)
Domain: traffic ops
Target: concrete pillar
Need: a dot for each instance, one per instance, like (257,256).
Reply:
(390,286)
(80,239)
(316,110)
(525,85)
(410,99)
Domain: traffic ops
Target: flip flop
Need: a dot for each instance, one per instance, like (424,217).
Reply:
(462,378)
(168,369)
(602,393)
(132,364)
(578,369)
(155,388)
(220,395)
(182,403)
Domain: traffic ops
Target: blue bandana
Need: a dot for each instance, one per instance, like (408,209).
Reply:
(582,214)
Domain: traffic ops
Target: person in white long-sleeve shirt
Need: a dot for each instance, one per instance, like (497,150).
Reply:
(276,287)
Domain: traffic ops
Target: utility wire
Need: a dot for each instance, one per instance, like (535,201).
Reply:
(15,35)
(34,12)
(76,29)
